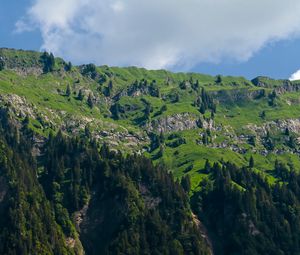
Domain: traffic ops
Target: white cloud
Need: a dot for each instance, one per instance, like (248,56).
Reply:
(160,33)
(295,76)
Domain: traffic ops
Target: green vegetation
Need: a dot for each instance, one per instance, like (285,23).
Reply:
(142,209)
(203,130)
(247,215)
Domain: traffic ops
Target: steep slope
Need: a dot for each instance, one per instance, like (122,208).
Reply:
(75,199)
(247,215)
(233,144)
(180,119)
(26,217)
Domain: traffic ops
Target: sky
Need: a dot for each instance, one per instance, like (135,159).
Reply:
(228,37)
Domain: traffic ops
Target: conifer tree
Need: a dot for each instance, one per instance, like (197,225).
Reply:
(80,95)
(251,162)
(90,101)
(68,90)
(2,64)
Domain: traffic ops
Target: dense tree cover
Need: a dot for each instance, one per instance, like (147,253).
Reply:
(27,225)
(247,215)
(132,206)
(142,210)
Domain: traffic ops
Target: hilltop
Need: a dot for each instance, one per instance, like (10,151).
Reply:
(181,119)
(134,161)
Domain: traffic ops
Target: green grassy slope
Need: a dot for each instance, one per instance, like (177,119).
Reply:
(129,107)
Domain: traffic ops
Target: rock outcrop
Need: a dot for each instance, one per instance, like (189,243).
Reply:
(177,122)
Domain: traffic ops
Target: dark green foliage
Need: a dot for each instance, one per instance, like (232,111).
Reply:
(156,140)
(2,64)
(48,62)
(108,89)
(202,108)
(160,153)
(218,79)
(89,71)
(271,98)
(116,111)
(252,140)
(162,109)
(251,162)
(246,215)
(206,137)
(195,86)
(176,142)
(133,206)
(287,132)
(186,183)
(174,96)
(90,101)
(140,205)
(27,225)
(263,115)
(183,85)
(80,95)
(207,167)
(153,89)
(269,142)
(144,88)
(147,110)
(68,67)
(205,102)
(68,90)
(291,142)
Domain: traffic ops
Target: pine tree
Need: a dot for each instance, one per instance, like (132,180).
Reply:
(68,90)
(90,101)
(207,166)
(251,162)
(68,66)
(51,62)
(48,62)
(186,183)
(80,95)
(287,131)
(218,79)
(2,64)
(251,140)
(202,108)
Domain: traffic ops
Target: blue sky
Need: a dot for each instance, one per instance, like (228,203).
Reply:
(70,29)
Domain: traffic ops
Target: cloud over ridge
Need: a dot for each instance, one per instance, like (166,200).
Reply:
(160,33)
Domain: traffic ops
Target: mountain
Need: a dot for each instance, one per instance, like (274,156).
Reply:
(109,160)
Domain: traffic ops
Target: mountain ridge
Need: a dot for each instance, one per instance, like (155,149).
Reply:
(212,141)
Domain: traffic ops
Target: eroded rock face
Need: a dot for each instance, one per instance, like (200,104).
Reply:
(18,105)
(178,122)
(28,71)
(113,134)
(292,124)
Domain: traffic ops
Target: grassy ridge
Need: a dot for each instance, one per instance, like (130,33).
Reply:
(237,108)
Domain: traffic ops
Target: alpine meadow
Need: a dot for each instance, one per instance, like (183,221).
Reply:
(119,137)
